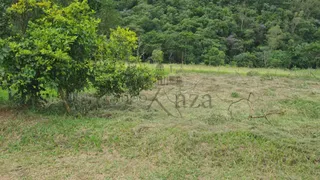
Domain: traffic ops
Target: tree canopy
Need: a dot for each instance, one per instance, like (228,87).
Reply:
(212,32)
(220,32)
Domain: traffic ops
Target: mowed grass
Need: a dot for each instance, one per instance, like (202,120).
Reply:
(132,141)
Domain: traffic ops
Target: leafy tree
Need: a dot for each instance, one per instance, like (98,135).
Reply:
(235,46)
(245,59)
(215,57)
(113,75)
(58,47)
(105,10)
(107,13)
(157,56)
(4,31)
(280,58)
(275,37)
(121,44)
(307,55)
(53,50)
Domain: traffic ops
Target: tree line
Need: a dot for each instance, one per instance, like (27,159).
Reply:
(67,45)
(248,33)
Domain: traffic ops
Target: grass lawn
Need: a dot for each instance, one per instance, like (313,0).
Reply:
(273,134)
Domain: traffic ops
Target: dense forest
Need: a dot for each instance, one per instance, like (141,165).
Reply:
(254,33)
(244,33)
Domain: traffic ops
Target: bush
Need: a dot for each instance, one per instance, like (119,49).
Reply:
(114,76)
(138,78)
(122,79)
(157,56)
(280,59)
(214,57)
(245,59)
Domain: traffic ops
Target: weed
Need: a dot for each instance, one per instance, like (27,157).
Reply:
(235,95)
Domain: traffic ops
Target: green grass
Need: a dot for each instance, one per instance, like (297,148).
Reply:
(304,73)
(175,151)
(133,142)
(235,95)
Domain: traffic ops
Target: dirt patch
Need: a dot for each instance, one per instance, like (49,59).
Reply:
(7,113)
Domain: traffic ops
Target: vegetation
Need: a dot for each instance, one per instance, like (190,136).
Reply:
(157,56)
(263,33)
(131,142)
(232,91)
(242,71)
(60,48)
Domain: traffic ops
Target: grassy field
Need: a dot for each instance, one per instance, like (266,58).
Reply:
(294,73)
(261,125)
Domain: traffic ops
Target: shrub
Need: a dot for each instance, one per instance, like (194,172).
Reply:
(157,56)
(245,59)
(280,59)
(214,57)
(122,79)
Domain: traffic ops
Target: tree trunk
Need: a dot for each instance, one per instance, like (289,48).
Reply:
(64,97)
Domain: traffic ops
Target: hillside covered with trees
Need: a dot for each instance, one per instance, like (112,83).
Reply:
(248,33)
(263,33)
